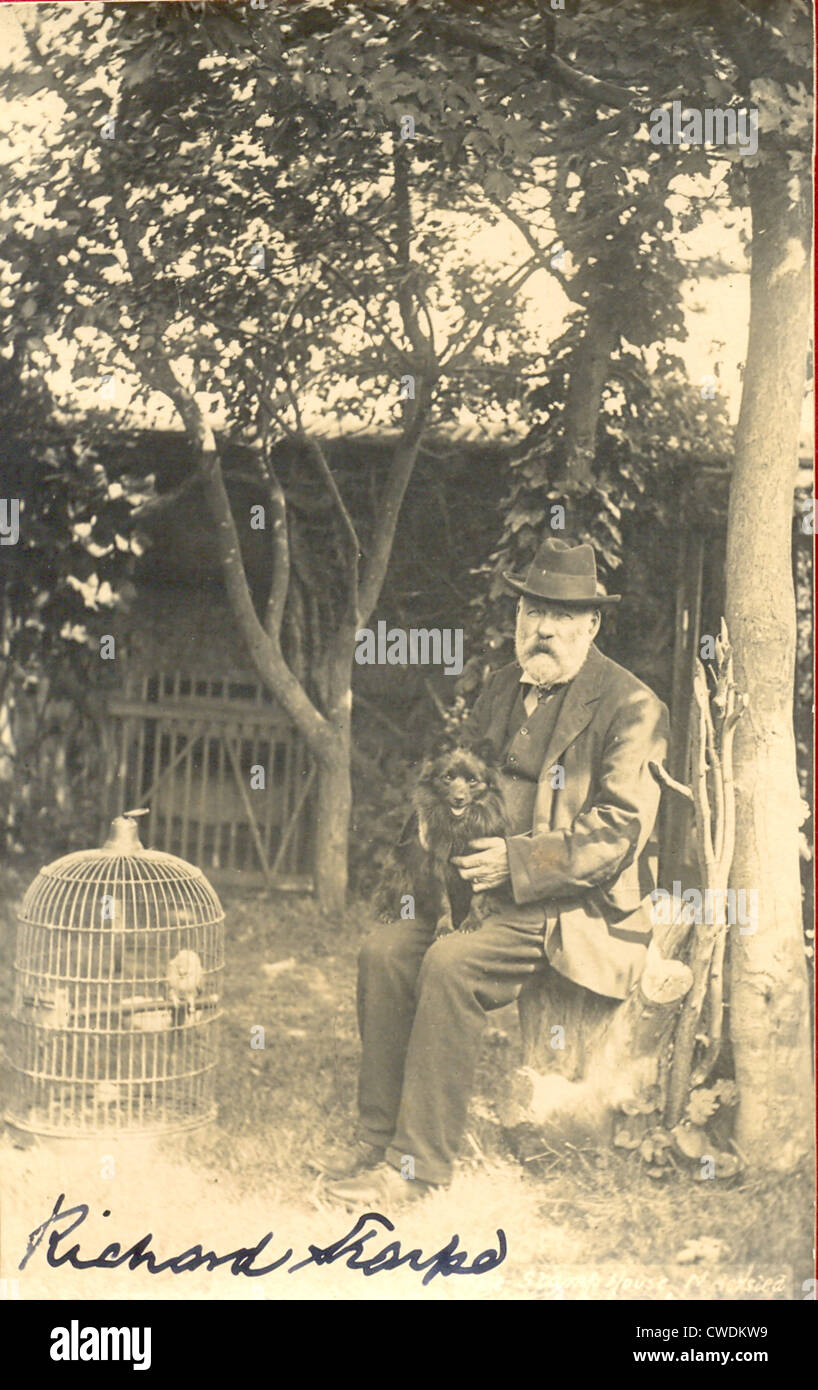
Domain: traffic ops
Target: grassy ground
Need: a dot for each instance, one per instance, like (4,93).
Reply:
(578,1225)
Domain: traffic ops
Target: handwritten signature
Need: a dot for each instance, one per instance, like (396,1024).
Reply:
(450,1259)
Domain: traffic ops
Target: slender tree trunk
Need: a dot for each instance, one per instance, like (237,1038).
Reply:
(332,826)
(589,372)
(334,781)
(769,1003)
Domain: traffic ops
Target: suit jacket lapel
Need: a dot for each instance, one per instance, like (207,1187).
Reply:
(577,707)
(502,705)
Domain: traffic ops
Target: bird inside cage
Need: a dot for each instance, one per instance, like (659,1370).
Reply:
(184,978)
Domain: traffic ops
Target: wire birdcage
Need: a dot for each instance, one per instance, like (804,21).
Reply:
(120,952)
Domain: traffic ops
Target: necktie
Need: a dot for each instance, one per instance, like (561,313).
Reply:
(532,697)
(534,694)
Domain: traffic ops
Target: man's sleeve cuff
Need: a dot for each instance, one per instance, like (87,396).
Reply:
(521,886)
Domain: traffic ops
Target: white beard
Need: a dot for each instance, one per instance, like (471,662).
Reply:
(543,669)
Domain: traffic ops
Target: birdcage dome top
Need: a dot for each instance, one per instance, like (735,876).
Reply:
(150,887)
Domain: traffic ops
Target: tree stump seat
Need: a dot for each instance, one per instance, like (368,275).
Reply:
(585,1056)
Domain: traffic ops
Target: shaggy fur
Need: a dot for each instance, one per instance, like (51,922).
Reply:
(457,799)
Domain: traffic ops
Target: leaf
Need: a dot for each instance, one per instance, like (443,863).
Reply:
(139,71)
(691,1142)
(727,1092)
(720,91)
(773,106)
(645,1106)
(498,185)
(522,516)
(701,1105)
(623,1139)
(654,1148)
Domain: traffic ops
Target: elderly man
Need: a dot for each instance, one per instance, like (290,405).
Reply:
(575,733)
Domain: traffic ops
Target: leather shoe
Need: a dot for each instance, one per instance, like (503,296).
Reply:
(383,1189)
(345,1160)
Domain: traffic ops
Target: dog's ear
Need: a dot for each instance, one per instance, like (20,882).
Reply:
(426,768)
(484,748)
(443,743)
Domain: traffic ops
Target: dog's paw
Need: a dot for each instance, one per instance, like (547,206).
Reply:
(473,920)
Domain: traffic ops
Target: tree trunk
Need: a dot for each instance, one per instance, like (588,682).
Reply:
(332,827)
(616,1055)
(590,365)
(559,1023)
(334,780)
(8,746)
(769,1003)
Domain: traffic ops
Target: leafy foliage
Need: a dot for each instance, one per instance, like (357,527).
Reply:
(58,587)
(703,1151)
(655,431)
(238,218)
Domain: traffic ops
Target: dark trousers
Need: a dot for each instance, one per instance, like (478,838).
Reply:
(422,1010)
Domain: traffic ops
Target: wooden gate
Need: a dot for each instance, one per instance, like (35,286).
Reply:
(227,780)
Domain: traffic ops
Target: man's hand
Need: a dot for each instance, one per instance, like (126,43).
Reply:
(486,869)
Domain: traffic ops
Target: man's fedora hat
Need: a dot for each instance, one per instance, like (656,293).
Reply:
(563,573)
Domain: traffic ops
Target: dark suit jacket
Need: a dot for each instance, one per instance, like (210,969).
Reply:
(586,857)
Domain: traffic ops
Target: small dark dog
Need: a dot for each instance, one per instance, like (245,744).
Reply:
(457,799)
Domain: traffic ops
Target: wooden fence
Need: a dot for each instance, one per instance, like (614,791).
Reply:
(227,780)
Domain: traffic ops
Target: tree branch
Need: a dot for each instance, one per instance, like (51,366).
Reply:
(699,769)
(314,448)
(390,501)
(264,648)
(362,304)
(510,286)
(547,66)
(593,89)
(279,587)
(403,250)
(662,775)
(540,252)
